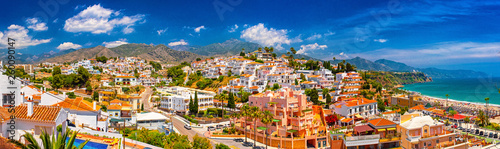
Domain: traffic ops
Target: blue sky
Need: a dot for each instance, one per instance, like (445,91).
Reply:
(443,34)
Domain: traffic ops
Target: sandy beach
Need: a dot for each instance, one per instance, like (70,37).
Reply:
(464,107)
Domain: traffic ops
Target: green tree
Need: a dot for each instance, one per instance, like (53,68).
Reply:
(201,143)
(266,118)
(196,102)
(191,105)
(255,114)
(56,70)
(50,142)
(221,146)
(293,50)
(245,112)
(142,107)
(95,96)
(57,82)
(296,81)
(230,102)
(88,87)
(487,99)
(328,99)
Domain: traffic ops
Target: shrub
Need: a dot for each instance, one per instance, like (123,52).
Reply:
(210,116)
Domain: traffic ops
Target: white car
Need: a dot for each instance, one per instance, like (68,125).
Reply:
(187,127)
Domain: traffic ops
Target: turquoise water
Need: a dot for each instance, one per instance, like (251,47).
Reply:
(470,89)
(89,145)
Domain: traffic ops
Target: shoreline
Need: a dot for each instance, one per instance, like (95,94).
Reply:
(462,107)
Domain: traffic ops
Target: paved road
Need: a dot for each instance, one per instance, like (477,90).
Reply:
(145,98)
(180,127)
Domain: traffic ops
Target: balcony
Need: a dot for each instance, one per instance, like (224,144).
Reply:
(362,140)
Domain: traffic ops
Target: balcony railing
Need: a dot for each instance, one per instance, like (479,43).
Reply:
(363,137)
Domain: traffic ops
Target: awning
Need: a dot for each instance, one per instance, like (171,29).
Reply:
(115,120)
(262,128)
(358,116)
(275,120)
(391,129)
(380,130)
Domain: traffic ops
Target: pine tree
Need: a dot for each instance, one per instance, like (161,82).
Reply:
(191,104)
(328,98)
(230,102)
(195,110)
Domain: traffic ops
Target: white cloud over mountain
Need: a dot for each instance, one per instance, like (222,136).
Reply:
(20,34)
(68,45)
(113,44)
(310,47)
(268,36)
(178,43)
(198,29)
(96,20)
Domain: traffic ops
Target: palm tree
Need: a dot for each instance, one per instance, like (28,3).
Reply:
(266,118)
(452,113)
(446,100)
(255,114)
(245,112)
(50,142)
(487,99)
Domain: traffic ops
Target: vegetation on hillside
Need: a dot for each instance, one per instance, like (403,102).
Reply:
(392,79)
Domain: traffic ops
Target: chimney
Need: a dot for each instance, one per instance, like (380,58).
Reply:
(94,103)
(64,95)
(30,108)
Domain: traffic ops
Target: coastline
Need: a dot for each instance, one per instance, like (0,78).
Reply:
(463,107)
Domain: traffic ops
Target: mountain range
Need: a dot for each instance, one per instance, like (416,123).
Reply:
(388,65)
(181,53)
(149,52)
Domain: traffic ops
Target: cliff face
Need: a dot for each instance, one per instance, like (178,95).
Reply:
(391,79)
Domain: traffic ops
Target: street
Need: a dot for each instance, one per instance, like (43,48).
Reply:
(145,99)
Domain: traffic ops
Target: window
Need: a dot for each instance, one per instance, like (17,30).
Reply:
(324,143)
(319,144)
(437,141)
(450,138)
(425,144)
(425,131)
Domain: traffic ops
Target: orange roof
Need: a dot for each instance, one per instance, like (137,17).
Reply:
(37,97)
(77,104)
(125,76)
(52,92)
(359,101)
(346,120)
(114,107)
(246,75)
(418,107)
(327,112)
(218,101)
(254,87)
(116,101)
(4,114)
(40,113)
(381,122)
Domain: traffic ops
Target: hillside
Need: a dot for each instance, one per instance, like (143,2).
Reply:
(392,79)
(229,47)
(388,65)
(149,52)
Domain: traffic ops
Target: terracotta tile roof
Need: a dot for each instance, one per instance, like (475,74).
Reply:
(359,101)
(419,107)
(77,104)
(346,120)
(381,122)
(116,101)
(254,87)
(4,114)
(114,107)
(40,113)
(5,144)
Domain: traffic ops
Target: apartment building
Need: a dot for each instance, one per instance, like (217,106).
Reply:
(425,132)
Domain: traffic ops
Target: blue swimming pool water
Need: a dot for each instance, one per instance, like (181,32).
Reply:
(89,145)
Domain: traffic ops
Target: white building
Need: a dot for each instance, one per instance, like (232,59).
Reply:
(177,98)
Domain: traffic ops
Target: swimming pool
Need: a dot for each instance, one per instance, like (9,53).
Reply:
(89,145)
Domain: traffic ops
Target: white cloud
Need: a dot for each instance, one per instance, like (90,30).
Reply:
(20,34)
(310,47)
(113,44)
(97,20)
(161,31)
(36,25)
(178,43)
(314,37)
(68,45)
(233,28)
(128,30)
(380,40)
(329,33)
(198,29)
(268,36)
(444,53)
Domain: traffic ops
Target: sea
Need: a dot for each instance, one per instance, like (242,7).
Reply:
(465,89)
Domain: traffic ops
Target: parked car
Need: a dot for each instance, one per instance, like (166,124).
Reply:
(220,126)
(210,128)
(238,140)
(495,136)
(247,144)
(258,147)
(187,127)
(481,133)
(490,135)
(477,132)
